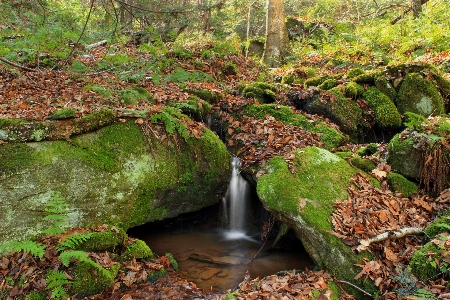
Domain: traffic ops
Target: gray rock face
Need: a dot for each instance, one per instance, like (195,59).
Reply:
(116,175)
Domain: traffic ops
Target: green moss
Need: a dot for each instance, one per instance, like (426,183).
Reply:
(288,79)
(261,91)
(315,81)
(372,148)
(442,83)
(195,107)
(103,241)
(15,157)
(343,154)
(400,184)
(33,295)
(329,136)
(207,95)
(439,226)
(420,96)
(363,164)
(4,123)
(172,260)
(421,266)
(385,87)
(335,289)
(364,78)
(94,121)
(133,94)
(90,279)
(355,72)
(327,84)
(139,249)
(156,274)
(353,90)
(386,114)
(64,113)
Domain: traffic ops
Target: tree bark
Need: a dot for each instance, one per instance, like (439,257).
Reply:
(277,45)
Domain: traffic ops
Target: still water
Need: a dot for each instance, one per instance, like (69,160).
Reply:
(214,262)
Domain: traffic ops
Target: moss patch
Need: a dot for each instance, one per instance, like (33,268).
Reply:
(441,225)
(421,266)
(363,164)
(384,86)
(90,279)
(400,184)
(261,91)
(64,113)
(156,274)
(386,114)
(103,241)
(207,95)
(327,84)
(138,250)
(403,157)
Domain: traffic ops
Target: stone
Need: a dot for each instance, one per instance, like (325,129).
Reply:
(208,274)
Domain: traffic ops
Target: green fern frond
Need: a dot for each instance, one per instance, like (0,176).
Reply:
(53,231)
(72,241)
(170,117)
(35,249)
(81,256)
(59,293)
(55,279)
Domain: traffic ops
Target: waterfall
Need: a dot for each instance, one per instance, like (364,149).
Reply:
(235,203)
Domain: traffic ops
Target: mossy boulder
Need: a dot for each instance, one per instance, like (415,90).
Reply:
(303,198)
(261,91)
(384,86)
(400,184)
(363,164)
(355,72)
(315,81)
(419,95)
(195,107)
(139,249)
(386,115)
(340,110)
(207,95)
(353,90)
(439,226)
(90,279)
(403,156)
(327,84)
(117,175)
(422,266)
(331,137)
(108,240)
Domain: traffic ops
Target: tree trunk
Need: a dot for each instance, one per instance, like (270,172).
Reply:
(416,6)
(277,45)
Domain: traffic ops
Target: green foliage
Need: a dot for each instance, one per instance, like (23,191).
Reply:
(327,84)
(81,256)
(72,241)
(99,89)
(133,94)
(415,121)
(399,183)
(57,210)
(179,75)
(363,164)
(386,114)
(170,117)
(55,282)
(139,249)
(353,90)
(439,226)
(156,274)
(34,248)
(355,72)
(79,67)
(261,91)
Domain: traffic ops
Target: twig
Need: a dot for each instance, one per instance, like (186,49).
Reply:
(356,287)
(389,235)
(16,65)
(266,235)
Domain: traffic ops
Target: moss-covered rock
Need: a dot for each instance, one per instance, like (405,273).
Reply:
(386,114)
(64,113)
(139,249)
(303,199)
(329,136)
(132,95)
(90,279)
(384,86)
(363,164)
(365,78)
(116,175)
(353,90)
(355,72)
(400,184)
(288,78)
(207,95)
(172,260)
(419,95)
(404,157)
(422,266)
(107,240)
(370,149)
(340,110)
(261,91)
(327,84)
(439,226)
(195,107)
(156,274)
(315,81)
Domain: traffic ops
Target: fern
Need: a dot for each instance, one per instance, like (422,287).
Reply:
(57,209)
(415,121)
(170,117)
(55,282)
(35,249)
(72,241)
(81,256)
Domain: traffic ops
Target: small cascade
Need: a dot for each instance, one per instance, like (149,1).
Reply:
(235,203)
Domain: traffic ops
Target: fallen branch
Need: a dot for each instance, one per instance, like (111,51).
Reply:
(389,235)
(16,65)
(357,287)
(98,44)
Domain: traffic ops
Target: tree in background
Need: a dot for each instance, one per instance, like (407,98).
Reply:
(277,45)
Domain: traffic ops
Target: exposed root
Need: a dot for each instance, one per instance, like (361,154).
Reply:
(434,168)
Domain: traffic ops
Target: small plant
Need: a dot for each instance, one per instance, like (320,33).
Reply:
(55,282)
(170,117)
(57,210)
(72,241)
(35,249)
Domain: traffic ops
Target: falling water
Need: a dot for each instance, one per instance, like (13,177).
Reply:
(235,203)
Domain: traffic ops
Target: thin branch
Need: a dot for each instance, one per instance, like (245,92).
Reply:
(16,65)
(356,287)
(389,235)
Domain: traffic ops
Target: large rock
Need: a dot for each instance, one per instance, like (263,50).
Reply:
(116,175)
(303,199)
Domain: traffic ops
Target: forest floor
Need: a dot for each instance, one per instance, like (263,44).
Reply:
(35,95)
